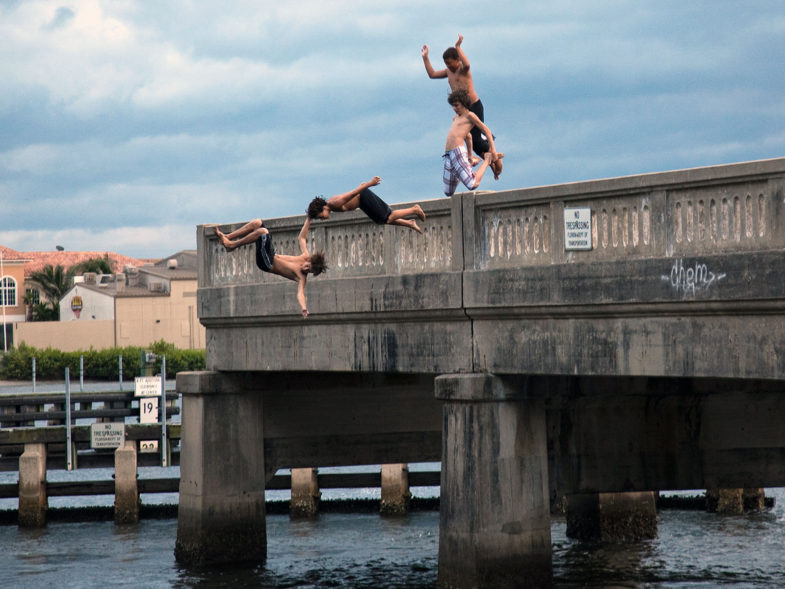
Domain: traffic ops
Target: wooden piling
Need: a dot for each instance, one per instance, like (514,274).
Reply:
(32,486)
(395,489)
(126,488)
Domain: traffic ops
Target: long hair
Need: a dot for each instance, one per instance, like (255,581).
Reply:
(318,263)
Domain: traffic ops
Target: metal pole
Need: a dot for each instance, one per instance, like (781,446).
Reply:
(69,459)
(120,362)
(81,374)
(164,445)
(33,373)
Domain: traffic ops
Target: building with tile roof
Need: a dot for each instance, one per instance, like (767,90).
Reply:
(142,304)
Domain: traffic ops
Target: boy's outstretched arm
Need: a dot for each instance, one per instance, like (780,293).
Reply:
(302,237)
(433,74)
(301,295)
(461,54)
(338,202)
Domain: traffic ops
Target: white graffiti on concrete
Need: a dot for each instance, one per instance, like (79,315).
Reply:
(691,279)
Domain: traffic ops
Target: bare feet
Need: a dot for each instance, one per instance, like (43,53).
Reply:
(496,165)
(223,239)
(419,212)
(416,227)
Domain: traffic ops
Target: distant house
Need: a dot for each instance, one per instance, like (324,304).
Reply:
(12,284)
(37,261)
(135,307)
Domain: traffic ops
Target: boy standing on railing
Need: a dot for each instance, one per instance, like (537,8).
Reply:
(456,159)
(292,267)
(459,77)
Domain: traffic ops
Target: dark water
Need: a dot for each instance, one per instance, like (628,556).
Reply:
(694,550)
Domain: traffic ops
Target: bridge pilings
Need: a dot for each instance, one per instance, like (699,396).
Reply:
(221,514)
(305,495)
(494,509)
(32,486)
(126,494)
(617,517)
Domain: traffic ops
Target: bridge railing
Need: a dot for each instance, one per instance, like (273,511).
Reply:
(353,244)
(719,209)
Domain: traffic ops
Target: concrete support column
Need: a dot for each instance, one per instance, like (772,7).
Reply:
(619,517)
(754,499)
(395,489)
(725,501)
(304,502)
(126,488)
(32,486)
(221,515)
(494,515)
(735,501)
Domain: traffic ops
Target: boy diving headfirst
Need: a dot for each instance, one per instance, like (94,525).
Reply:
(294,268)
(366,200)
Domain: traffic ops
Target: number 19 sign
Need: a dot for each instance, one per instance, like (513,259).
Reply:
(148,410)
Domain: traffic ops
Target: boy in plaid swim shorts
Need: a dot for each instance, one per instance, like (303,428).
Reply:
(457,166)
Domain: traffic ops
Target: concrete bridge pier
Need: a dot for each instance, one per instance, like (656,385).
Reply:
(221,516)
(494,511)
(616,517)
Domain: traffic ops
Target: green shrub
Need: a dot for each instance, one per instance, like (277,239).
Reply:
(16,364)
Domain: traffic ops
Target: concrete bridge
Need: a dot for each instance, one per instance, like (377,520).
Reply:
(532,367)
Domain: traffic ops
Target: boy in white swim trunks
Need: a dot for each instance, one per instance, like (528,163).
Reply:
(457,165)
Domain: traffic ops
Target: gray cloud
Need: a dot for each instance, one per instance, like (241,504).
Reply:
(143,119)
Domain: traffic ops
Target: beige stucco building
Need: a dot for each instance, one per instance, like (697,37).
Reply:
(137,307)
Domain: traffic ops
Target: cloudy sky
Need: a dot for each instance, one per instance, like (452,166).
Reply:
(125,123)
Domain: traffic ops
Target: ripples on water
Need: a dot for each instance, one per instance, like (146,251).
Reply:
(693,550)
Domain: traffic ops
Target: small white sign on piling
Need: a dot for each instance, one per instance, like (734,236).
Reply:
(148,446)
(577,228)
(147,386)
(107,435)
(148,410)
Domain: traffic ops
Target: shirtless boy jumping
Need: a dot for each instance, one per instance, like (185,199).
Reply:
(292,267)
(366,200)
(459,76)
(456,159)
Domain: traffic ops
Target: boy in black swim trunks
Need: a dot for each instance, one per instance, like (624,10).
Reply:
(292,267)
(366,200)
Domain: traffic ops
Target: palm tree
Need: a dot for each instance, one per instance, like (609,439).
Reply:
(98,265)
(53,282)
